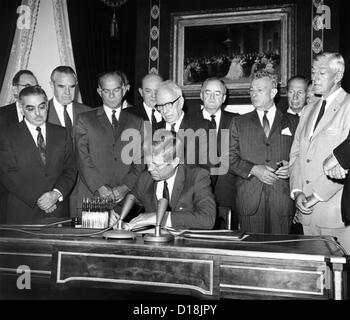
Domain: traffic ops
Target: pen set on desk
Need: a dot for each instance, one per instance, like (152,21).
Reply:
(95,212)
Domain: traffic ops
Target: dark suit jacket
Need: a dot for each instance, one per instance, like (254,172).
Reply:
(342,153)
(248,147)
(8,115)
(223,185)
(77,107)
(192,200)
(99,153)
(194,154)
(25,176)
(139,111)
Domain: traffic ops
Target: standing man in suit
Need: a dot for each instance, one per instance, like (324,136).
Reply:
(12,112)
(323,126)
(170,102)
(37,164)
(187,188)
(148,90)
(259,154)
(213,95)
(63,110)
(103,169)
(296,94)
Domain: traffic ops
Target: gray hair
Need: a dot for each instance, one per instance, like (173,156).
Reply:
(266,74)
(336,60)
(222,84)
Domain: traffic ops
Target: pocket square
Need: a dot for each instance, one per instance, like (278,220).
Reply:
(286,132)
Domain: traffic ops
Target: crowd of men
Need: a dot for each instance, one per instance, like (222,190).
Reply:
(267,171)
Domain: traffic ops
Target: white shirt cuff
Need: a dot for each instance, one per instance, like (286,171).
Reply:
(318,197)
(294,191)
(60,199)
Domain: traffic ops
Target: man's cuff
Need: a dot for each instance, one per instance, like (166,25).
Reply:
(60,198)
(292,194)
(318,197)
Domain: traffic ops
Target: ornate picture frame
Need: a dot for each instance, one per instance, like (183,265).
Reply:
(231,45)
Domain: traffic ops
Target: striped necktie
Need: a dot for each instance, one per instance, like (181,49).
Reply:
(41,145)
(266,124)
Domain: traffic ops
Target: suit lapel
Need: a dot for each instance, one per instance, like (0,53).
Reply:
(255,121)
(151,194)
(332,109)
(12,115)
(50,140)
(277,123)
(178,186)
(52,114)
(27,143)
(105,125)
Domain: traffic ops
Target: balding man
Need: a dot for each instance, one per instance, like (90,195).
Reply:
(296,94)
(170,102)
(148,90)
(322,127)
(11,113)
(104,169)
(213,96)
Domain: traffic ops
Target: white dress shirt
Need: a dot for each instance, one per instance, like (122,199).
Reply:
(207,116)
(159,193)
(109,113)
(270,115)
(60,111)
(148,110)
(330,100)
(19,113)
(34,133)
(292,112)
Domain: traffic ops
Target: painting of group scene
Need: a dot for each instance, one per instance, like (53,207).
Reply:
(231,52)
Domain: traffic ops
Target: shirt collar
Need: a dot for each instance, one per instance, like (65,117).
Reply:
(148,110)
(58,105)
(177,123)
(293,112)
(330,98)
(109,112)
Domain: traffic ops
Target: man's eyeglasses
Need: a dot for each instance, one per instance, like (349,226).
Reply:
(169,105)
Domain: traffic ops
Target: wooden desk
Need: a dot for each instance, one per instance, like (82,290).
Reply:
(312,269)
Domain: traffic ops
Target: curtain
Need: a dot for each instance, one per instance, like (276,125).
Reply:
(8,23)
(20,47)
(344,44)
(93,48)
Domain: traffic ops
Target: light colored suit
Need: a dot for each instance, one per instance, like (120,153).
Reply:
(307,156)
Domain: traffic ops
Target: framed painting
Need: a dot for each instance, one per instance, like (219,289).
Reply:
(231,45)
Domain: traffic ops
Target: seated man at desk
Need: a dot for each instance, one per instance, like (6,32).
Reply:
(187,187)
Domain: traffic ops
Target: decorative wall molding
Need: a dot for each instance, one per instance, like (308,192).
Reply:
(154,34)
(21,47)
(317,27)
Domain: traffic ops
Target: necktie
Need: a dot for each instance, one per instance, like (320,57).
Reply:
(114,120)
(67,120)
(173,128)
(320,114)
(41,145)
(166,194)
(266,124)
(153,118)
(212,121)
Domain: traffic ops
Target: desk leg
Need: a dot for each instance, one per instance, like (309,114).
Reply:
(340,282)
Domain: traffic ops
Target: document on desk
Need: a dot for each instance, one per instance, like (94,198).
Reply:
(214,234)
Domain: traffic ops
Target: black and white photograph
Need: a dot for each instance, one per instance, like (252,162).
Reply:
(174,158)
